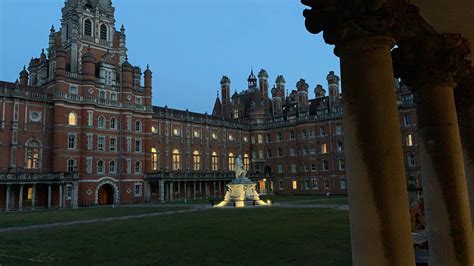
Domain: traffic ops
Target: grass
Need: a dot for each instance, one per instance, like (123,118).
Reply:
(255,236)
(308,199)
(54,216)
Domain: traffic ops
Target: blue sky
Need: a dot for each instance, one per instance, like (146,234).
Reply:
(189,44)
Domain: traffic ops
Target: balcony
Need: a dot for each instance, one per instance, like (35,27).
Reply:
(37,177)
(182,176)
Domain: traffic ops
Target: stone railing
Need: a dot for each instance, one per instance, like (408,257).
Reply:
(190,175)
(73,75)
(37,177)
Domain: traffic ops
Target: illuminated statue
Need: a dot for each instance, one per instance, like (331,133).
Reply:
(240,172)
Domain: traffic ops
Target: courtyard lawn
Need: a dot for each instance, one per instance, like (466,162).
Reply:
(310,199)
(14,219)
(254,236)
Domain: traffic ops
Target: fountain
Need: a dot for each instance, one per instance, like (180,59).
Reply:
(241,191)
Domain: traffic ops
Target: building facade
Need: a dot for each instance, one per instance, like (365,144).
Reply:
(78,129)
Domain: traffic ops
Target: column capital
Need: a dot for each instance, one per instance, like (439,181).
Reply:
(431,59)
(346,21)
(464,91)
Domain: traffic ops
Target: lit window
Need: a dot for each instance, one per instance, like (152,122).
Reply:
(231,161)
(231,137)
(197,134)
(214,161)
(33,152)
(259,138)
(196,161)
(72,119)
(30,193)
(409,140)
(154,129)
(246,139)
(294,184)
(176,132)
(176,160)
(246,162)
(214,135)
(154,159)
(324,148)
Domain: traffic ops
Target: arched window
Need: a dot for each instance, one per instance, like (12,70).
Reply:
(72,119)
(33,155)
(102,94)
(154,159)
(100,167)
(214,161)
(112,168)
(246,162)
(88,27)
(101,122)
(113,123)
(176,160)
(231,161)
(103,32)
(138,167)
(196,161)
(71,165)
(138,126)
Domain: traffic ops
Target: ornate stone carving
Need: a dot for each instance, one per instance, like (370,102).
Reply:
(432,58)
(343,21)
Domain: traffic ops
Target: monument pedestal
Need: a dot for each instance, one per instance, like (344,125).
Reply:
(241,192)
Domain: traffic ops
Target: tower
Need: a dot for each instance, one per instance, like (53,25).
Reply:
(278,96)
(302,94)
(252,81)
(333,85)
(225,91)
(263,85)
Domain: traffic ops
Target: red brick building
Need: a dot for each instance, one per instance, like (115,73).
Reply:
(79,129)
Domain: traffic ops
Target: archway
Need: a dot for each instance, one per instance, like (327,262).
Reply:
(105,195)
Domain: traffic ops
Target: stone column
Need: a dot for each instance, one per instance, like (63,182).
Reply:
(7,198)
(379,215)
(206,187)
(440,62)
(20,200)
(171,191)
(33,197)
(194,190)
(75,192)
(464,99)
(162,190)
(60,200)
(49,195)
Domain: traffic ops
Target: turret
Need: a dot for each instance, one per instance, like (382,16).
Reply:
(302,93)
(333,85)
(319,91)
(263,85)
(137,77)
(88,66)
(127,78)
(148,85)
(252,80)
(24,77)
(60,64)
(225,90)
(51,38)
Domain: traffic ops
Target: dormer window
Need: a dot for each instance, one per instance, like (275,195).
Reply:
(88,27)
(103,32)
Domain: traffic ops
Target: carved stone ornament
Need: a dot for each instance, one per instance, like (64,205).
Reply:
(343,21)
(431,59)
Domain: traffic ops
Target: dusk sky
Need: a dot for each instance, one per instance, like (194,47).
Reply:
(189,44)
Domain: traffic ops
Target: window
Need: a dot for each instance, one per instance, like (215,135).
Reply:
(112,168)
(71,166)
(87,27)
(278,136)
(269,153)
(324,148)
(154,130)
(341,164)
(101,143)
(294,184)
(102,94)
(30,193)
(246,139)
(90,118)
(407,119)
(89,165)
(72,119)
(280,169)
(236,114)
(231,161)
(411,159)
(292,151)
(315,184)
(90,141)
(138,167)
(100,167)
(113,123)
(103,32)
(338,129)
(176,132)
(33,153)
(196,161)
(71,141)
(129,123)
(68,192)
(129,166)
(340,146)
(280,184)
(409,140)
(154,159)
(138,126)
(73,90)
(293,168)
(259,138)
(101,122)
(342,183)
(138,145)
(196,133)
(231,137)
(214,135)
(292,135)
(129,144)
(326,183)
(113,144)
(176,159)
(313,167)
(214,161)
(138,100)
(246,162)
(324,165)
(311,133)
(137,190)
(113,95)
(322,131)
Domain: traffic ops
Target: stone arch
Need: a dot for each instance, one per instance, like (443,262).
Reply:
(107,181)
